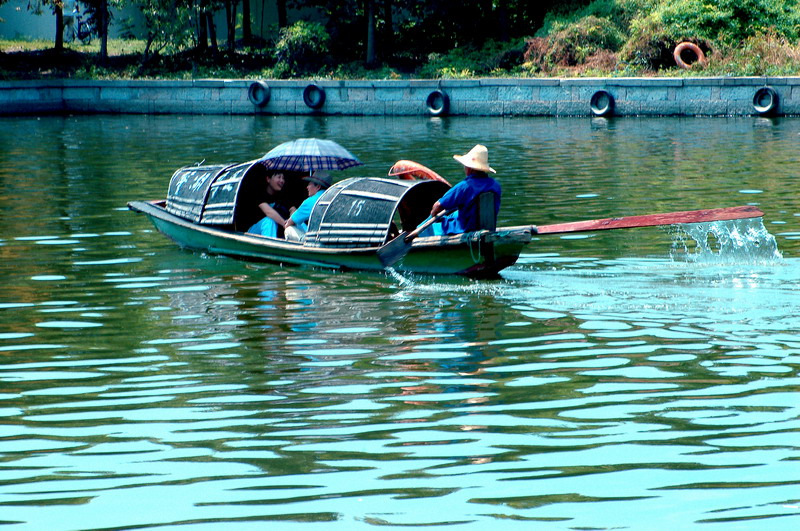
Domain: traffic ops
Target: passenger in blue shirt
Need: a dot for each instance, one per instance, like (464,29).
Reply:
(462,199)
(296,226)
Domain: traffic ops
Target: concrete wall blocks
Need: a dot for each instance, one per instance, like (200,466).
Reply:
(660,108)
(391,94)
(515,93)
(477,94)
(654,95)
(737,92)
(712,96)
(646,82)
(22,94)
(553,93)
(118,93)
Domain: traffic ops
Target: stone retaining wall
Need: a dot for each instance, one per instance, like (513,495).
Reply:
(714,96)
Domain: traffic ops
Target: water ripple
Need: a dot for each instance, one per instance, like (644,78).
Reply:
(600,383)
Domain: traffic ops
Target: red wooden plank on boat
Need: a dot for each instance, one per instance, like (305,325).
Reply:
(652,220)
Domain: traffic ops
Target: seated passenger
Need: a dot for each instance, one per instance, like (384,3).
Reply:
(267,200)
(297,224)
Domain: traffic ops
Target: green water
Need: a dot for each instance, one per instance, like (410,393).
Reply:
(633,379)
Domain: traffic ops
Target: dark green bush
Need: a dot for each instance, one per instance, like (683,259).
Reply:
(618,12)
(730,21)
(470,61)
(576,42)
(302,48)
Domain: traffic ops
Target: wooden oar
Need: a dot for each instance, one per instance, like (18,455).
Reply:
(650,220)
(395,250)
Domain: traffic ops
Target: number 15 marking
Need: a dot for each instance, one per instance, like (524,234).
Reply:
(356,208)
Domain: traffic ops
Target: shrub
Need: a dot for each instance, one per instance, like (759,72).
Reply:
(650,45)
(654,33)
(302,48)
(578,41)
(589,39)
(619,12)
(357,70)
(730,21)
(765,54)
(491,58)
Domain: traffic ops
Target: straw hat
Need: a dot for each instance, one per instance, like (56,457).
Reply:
(477,159)
(321,178)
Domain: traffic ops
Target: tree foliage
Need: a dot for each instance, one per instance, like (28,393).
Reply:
(168,24)
(301,48)
(446,38)
(372,31)
(413,29)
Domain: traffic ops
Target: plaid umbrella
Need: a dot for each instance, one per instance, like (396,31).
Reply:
(309,154)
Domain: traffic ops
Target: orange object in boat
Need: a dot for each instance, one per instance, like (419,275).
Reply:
(409,170)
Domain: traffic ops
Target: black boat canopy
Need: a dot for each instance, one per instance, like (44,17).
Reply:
(367,211)
(355,212)
(208,195)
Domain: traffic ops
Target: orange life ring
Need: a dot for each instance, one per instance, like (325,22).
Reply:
(409,170)
(691,47)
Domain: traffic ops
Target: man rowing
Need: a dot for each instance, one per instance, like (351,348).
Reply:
(461,201)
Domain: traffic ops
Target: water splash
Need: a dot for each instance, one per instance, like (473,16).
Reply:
(403,281)
(725,242)
(412,287)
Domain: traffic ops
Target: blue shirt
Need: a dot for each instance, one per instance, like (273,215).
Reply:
(464,198)
(303,212)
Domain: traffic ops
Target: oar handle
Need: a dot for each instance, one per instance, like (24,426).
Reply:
(648,220)
(414,233)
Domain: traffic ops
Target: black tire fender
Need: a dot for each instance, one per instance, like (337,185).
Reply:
(258,93)
(438,103)
(314,96)
(602,103)
(765,101)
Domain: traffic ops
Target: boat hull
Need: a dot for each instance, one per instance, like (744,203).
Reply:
(479,255)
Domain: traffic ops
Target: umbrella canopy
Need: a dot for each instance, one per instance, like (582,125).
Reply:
(309,154)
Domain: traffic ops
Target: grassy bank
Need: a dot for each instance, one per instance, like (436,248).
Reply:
(766,55)
(38,59)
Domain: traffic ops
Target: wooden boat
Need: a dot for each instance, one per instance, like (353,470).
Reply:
(358,220)
(353,220)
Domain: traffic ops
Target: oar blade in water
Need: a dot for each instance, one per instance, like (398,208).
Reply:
(395,250)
